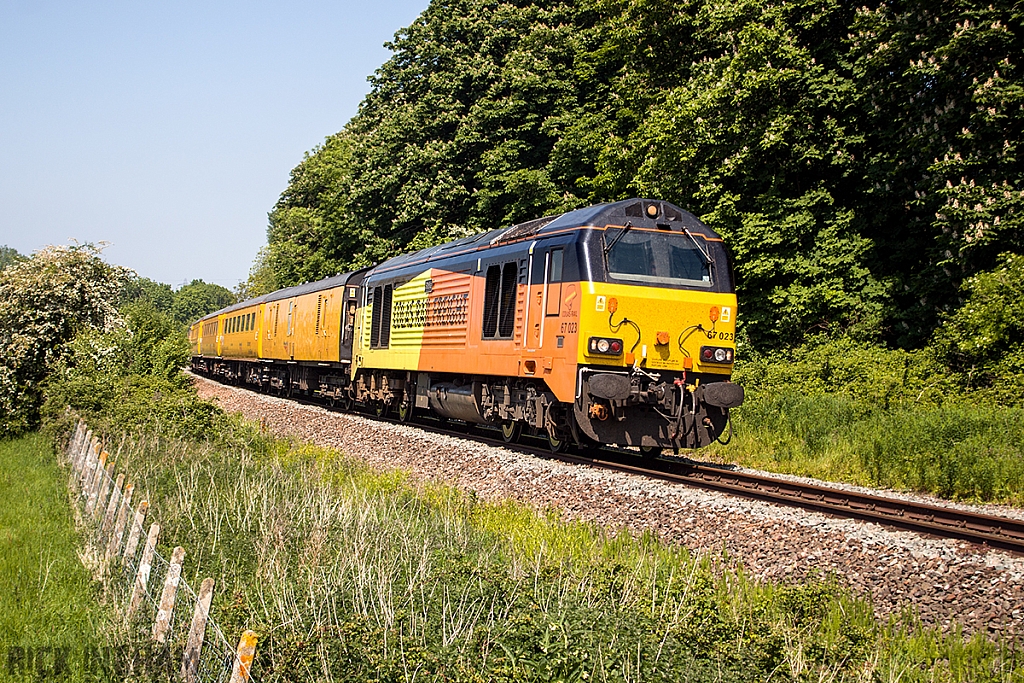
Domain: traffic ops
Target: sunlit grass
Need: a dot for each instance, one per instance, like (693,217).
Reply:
(959,451)
(49,610)
(350,574)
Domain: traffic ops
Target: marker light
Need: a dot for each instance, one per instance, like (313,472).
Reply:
(716,354)
(602,345)
(713,314)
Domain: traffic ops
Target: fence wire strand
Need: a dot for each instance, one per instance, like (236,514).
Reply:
(217,657)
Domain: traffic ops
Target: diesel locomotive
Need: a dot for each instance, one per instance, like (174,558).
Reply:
(611,324)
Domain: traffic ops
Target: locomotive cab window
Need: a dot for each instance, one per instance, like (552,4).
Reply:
(668,258)
(500,301)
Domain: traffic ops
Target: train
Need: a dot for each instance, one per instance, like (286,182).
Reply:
(610,324)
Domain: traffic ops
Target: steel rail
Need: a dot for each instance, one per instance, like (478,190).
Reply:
(993,531)
(1005,533)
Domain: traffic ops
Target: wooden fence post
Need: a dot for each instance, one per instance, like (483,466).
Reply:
(69,451)
(93,489)
(115,500)
(136,532)
(166,609)
(103,489)
(142,576)
(78,459)
(117,535)
(243,658)
(197,632)
(87,462)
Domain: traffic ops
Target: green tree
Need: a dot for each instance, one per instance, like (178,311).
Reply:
(161,295)
(983,339)
(45,302)
(456,135)
(198,298)
(943,104)
(9,256)
(755,131)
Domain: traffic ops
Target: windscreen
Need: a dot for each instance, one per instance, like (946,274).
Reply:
(669,258)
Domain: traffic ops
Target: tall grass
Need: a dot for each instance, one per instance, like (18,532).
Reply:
(349,574)
(957,450)
(51,625)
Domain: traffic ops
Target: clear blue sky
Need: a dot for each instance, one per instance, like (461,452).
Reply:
(169,129)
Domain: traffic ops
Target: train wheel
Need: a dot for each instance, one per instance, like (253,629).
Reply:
(511,431)
(380,408)
(556,443)
(345,402)
(650,451)
(405,411)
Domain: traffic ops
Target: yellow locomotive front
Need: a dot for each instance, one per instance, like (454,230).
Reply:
(657,330)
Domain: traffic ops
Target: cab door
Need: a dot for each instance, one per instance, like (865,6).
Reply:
(545,284)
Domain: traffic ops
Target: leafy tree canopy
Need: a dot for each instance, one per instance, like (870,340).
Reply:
(860,162)
(198,298)
(9,256)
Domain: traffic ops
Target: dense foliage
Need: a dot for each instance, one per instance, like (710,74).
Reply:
(45,303)
(185,305)
(860,162)
(77,331)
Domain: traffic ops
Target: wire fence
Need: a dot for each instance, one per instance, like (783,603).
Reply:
(148,586)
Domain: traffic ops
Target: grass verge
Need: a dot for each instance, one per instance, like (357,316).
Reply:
(959,451)
(51,624)
(349,574)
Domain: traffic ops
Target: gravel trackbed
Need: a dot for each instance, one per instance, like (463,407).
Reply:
(943,580)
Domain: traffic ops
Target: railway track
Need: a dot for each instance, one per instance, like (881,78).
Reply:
(992,531)
(983,529)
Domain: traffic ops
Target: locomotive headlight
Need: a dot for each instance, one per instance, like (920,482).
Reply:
(716,354)
(601,345)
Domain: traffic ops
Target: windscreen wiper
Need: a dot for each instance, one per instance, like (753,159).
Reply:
(707,258)
(622,232)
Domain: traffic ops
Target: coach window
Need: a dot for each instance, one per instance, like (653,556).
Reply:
(554,293)
(291,312)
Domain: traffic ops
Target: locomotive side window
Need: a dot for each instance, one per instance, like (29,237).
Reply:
(378,301)
(554,283)
(500,301)
(492,300)
(385,318)
(380,319)
(509,277)
(291,310)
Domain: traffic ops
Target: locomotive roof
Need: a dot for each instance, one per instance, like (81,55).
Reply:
(599,215)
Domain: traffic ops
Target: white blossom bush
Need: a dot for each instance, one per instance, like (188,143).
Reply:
(45,302)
